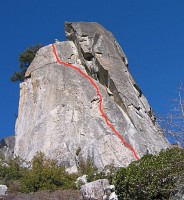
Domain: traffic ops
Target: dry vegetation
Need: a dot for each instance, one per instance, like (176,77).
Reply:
(46,195)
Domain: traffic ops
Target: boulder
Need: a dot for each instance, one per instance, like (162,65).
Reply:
(81,181)
(3,190)
(110,193)
(94,190)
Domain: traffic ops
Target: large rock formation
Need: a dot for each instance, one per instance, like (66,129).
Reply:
(59,108)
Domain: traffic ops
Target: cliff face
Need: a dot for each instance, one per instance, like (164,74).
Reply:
(59,108)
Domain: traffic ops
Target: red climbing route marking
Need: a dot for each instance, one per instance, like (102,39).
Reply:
(100,97)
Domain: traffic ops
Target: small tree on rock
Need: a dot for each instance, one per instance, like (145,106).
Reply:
(25,59)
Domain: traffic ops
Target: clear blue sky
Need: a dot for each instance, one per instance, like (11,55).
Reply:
(151,33)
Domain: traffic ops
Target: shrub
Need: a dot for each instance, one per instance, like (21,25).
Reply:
(152,177)
(11,173)
(109,172)
(25,60)
(12,170)
(88,167)
(45,174)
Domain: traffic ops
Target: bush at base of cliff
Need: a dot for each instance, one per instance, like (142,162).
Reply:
(152,177)
(11,172)
(88,167)
(45,174)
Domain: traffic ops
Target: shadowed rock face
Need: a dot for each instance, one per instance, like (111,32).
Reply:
(7,147)
(59,109)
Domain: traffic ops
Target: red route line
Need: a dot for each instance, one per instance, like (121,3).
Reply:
(100,96)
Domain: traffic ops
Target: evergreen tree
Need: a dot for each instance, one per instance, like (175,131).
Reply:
(25,59)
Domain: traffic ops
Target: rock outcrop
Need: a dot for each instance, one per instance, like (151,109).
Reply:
(110,193)
(59,109)
(94,190)
(7,147)
(3,190)
(178,192)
